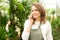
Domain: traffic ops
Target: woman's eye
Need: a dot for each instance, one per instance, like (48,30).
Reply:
(32,10)
(36,10)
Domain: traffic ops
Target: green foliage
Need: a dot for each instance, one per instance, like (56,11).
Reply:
(26,5)
(16,10)
(56,28)
(2,33)
(3,21)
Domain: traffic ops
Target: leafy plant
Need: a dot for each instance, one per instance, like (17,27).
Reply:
(56,28)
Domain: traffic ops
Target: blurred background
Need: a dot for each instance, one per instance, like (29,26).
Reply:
(13,14)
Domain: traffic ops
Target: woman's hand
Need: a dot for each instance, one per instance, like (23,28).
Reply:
(30,23)
(31,19)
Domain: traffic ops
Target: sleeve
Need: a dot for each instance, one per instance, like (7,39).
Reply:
(49,32)
(25,34)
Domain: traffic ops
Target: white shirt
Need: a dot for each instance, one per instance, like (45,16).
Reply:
(45,28)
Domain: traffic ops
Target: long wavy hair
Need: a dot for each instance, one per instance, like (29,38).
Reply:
(41,10)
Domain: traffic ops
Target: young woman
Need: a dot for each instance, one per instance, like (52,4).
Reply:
(37,27)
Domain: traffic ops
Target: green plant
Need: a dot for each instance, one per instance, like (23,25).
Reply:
(56,28)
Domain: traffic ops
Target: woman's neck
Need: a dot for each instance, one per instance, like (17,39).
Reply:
(37,19)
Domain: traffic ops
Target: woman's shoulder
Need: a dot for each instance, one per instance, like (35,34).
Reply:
(27,21)
(48,22)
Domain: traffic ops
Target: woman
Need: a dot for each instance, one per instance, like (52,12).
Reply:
(37,27)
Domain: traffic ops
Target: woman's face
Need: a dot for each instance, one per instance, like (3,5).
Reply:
(35,13)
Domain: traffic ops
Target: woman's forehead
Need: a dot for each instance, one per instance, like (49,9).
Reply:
(33,7)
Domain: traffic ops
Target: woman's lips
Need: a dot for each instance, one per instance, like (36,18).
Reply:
(34,14)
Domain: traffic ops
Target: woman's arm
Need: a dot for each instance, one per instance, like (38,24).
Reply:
(49,32)
(26,31)
(27,27)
